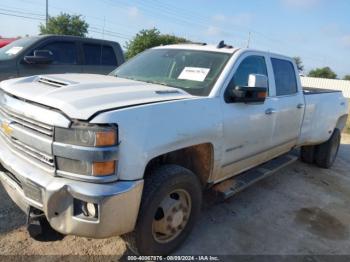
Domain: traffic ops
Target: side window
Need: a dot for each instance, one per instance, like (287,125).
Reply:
(286,83)
(92,54)
(108,56)
(250,65)
(63,52)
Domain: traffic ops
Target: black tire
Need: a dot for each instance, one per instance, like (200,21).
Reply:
(326,153)
(158,185)
(307,154)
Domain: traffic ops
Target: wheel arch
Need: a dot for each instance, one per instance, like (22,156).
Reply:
(197,158)
(341,122)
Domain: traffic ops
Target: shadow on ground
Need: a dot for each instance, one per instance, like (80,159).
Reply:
(10,215)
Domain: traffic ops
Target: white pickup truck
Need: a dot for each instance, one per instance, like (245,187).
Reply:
(131,152)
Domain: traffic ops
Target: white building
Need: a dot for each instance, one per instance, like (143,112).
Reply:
(334,84)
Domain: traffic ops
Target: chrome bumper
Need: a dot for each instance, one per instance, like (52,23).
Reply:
(118,202)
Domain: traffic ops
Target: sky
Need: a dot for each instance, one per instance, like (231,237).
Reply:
(316,30)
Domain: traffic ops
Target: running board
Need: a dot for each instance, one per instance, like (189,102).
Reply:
(232,186)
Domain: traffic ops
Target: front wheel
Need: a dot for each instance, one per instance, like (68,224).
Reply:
(170,205)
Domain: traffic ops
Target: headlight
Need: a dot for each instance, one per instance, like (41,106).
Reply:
(85,144)
(85,135)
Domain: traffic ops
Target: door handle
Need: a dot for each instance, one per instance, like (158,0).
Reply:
(270,111)
(300,106)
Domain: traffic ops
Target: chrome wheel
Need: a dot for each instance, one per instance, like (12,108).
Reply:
(171,216)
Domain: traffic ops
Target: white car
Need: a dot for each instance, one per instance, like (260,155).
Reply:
(131,152)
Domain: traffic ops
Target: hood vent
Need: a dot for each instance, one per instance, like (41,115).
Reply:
(167,92)
(52,82)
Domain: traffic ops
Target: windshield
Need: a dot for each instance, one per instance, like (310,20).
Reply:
(13,49)
(193,71)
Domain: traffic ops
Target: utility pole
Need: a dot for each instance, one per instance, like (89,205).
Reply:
(248,42)
(47,11)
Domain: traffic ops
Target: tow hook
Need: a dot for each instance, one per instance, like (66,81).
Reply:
(34,222)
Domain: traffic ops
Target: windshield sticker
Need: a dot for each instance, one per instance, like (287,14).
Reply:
(194,73)
(14,50)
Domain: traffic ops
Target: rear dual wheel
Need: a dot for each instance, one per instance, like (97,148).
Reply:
(307,154)
(324,154)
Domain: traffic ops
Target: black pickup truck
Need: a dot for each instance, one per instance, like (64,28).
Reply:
(56,54)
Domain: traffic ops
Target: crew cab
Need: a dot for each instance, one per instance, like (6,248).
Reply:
(54,54)
(130,153)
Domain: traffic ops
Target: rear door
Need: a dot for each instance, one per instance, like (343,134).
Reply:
(288,103)
(98,58)
(65,59)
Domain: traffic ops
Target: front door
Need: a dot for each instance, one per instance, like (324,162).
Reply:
(247,127)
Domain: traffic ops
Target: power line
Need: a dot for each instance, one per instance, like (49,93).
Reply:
(182,16)
(61,9)
(110,32)
(20,9)
(22,16)
(190,18)
(20,12)
(180,19)
(95,29)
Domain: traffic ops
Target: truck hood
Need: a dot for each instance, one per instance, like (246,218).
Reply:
(80,96)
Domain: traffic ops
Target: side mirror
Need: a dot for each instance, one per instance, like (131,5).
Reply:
(256,80)
(255,92)
(40,57)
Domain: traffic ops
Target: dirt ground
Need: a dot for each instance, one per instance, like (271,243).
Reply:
(300,210)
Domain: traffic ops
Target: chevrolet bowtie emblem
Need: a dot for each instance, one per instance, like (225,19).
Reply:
(6,128)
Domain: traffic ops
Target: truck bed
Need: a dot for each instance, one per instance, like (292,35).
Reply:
(313,91)
(321,107)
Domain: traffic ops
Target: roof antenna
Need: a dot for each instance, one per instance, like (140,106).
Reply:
(221,44)
(249,38)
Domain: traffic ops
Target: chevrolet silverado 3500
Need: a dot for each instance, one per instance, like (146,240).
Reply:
(130,153)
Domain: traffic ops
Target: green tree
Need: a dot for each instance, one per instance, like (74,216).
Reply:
(347,77)
(65,24)
(324,72)
(149,38)
(299,63)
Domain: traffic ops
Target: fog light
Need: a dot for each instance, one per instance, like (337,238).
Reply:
(91,209)
(85,210)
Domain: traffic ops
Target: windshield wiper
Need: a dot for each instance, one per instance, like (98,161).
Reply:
(163,84)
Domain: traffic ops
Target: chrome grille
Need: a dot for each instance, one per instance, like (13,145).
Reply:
(21,147)
(27,137)
(28,123)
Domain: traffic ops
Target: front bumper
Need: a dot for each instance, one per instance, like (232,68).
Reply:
(28,185)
